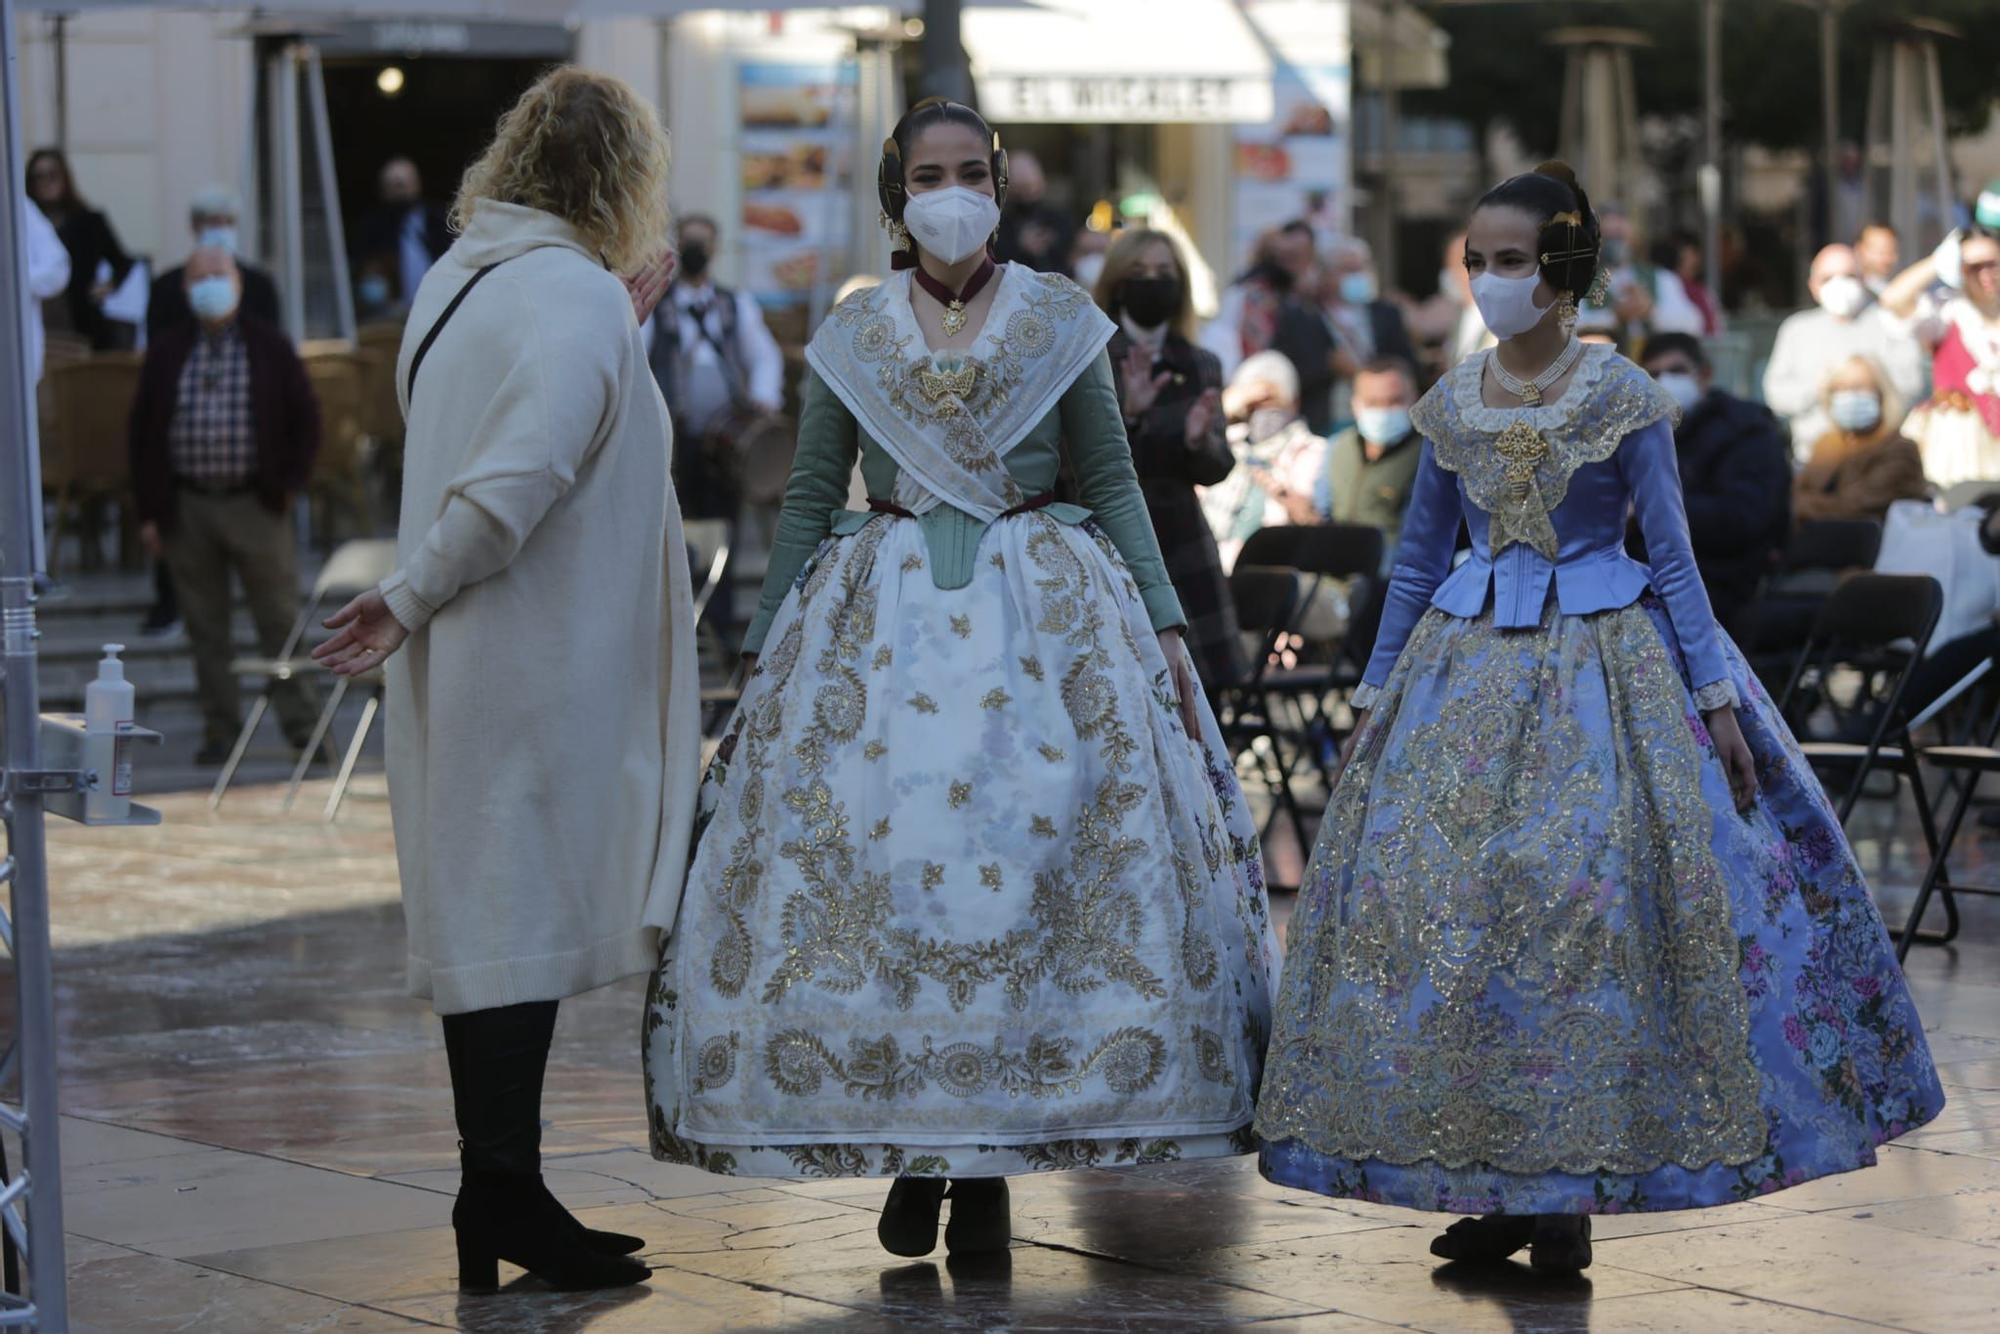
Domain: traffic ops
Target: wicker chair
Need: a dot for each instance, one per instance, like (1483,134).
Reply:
(86,457)
(340,480)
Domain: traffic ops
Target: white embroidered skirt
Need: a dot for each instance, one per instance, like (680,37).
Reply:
(966,900)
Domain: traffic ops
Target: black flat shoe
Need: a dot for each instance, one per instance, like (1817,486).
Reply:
(909,1222)
(1487,1240)
(514,1218)
(981,1220)
(1561,1243)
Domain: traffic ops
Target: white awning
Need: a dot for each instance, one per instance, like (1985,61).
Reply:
(1118,61)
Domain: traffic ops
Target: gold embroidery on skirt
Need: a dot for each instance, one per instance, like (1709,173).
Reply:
(1484,861)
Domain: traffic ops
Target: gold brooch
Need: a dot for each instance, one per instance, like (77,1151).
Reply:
(1522,447)
(939,383)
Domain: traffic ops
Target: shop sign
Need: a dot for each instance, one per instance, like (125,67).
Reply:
(1125,98)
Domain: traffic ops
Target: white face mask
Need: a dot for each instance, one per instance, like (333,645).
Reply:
(1683,388)
(953,223)
(218,238)
(1842,296)
(1508,304)
(1855,409)
(1088,269)
(1382,426)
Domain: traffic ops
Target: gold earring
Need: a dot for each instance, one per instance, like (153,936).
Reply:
(899,235)
(1566,311)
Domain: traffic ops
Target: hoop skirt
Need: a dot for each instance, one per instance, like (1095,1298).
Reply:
(967,901)
(1542,965)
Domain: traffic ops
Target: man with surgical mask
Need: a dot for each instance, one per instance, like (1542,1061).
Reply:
(212,215)
(223,432)
(1372,465)
(1736,474)
(397,242)
(1844,322)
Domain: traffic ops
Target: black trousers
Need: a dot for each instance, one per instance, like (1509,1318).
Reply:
(498,1059)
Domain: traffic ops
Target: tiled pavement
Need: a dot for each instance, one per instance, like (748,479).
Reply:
(259,1138)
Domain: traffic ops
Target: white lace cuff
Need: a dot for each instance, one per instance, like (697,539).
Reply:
(1364,697)
(1717,695)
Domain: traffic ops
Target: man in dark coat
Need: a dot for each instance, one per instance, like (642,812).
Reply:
(224,430)
(397,242)
(1736,475)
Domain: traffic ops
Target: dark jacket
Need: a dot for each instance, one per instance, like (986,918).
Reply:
(1307,339)
(281,402)
(379,240)
(88,237)
(1736,481)
(168,304)
(1169,471)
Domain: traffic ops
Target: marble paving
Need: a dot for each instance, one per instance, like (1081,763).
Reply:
(258,1137)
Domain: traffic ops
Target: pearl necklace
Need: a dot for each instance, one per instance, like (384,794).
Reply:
(1530,391)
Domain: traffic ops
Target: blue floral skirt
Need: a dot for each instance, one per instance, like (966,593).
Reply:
(1541,964)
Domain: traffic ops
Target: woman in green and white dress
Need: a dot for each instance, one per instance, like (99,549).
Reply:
(975,892)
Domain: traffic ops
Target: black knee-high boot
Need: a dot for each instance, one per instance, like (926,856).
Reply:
(504,1212)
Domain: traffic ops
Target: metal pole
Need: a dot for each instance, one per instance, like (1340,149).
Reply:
(329,195)
(1829,89)
(59,34)
(288,211)
(1902,142)
(1392,133)
(945,72)
(20,517)
(1939,147)
(1711,170)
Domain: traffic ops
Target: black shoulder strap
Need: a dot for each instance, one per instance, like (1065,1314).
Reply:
(423,348)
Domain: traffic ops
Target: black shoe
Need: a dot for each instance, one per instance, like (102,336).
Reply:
(213,754)
(1561,1243)
(980,1218)
(909,1222)
(1487,1240)
(514,1218)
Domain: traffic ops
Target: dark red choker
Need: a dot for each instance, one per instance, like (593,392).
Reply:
(954,302)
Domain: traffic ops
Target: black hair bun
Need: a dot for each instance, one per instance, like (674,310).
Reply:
(1559,170)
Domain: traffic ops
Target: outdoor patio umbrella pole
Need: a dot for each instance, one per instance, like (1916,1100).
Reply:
(35,1185)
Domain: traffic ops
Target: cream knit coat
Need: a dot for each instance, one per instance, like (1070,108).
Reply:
(543,729)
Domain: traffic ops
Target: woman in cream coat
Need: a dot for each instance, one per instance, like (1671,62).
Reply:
(543,715)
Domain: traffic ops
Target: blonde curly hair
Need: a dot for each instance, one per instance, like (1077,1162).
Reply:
(588,149)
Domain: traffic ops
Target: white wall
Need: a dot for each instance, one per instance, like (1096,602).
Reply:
(158,108)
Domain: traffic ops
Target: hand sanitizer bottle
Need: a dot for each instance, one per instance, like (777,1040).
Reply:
(107,743)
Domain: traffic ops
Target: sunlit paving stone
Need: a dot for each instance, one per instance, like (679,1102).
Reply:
(259,1137)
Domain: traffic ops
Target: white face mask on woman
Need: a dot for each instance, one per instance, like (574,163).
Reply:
(1855,410)
(953,223)
(1508,304)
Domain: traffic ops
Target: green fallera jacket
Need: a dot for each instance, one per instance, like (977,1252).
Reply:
(1086,419)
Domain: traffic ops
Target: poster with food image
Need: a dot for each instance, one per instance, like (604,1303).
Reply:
(793,151)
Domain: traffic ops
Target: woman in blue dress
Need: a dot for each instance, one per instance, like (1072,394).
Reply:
(1581,934)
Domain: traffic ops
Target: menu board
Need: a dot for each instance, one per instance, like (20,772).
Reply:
(1295,166)
(797,129)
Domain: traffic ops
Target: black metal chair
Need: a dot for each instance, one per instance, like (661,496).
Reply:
(1327,553)
(1820,554)
(1873,623)
(1267,606)
(1970,764)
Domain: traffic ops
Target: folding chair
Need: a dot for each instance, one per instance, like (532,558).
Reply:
(1971,763)
(1875,621)
(1322,553)
(708,553)
(1267,605)
(353,568)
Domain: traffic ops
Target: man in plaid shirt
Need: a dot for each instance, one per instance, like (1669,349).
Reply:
(224,430)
